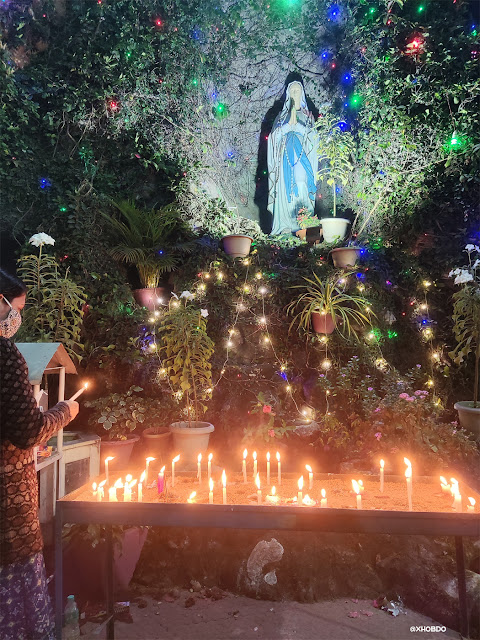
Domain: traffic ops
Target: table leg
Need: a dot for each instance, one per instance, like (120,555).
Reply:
(110,612)
(462,586)
(58,574)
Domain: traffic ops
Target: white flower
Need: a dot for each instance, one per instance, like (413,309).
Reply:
(39,239)
(476,264)
(187,295)
(175,295)
(472,247)
(454,272)
(463,277)
(204,313)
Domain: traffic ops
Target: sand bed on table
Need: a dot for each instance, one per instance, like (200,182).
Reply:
(427,495)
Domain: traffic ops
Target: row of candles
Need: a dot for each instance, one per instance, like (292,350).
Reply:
(273,498)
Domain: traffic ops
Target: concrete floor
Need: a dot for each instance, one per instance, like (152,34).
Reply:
(240,618)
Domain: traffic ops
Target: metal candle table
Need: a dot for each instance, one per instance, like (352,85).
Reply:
(293,518)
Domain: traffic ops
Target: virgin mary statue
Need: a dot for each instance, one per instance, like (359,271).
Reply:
(292,161)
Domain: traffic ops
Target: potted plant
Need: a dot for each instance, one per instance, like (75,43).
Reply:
(187,350)
(335,149)
(151,240)
(466,318)
(324,304)
(236,244)
(344,257)
(306,220)
(119,414)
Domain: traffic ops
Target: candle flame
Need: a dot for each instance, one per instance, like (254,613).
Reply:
(356,486)
(278,456)
(257,481)
(407,462)
(443,481)
(150,460)
(274,491)
(199,457)
(133,483)
(324,493)
(109,458)
(245,453)
(118,484)
(210,456)
(162,470)
(300,483)
(100,486)
(191,497)
(382,463)
(128,478)
(94,486)
(308,468)
(224,478)
(210,482)
(176,459)
(268,456)
(408,470)
(254,455)
(360,483)
(307,500)
(85,385)
(472,501)
(142,477)
(454,488)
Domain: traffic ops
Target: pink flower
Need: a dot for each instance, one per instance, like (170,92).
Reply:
(377,410)
(403,395)
(271,433)
(410,399)
(378,435)
(421,392)
(267,408)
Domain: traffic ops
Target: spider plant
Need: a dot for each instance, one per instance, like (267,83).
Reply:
(328,296)
(150,239)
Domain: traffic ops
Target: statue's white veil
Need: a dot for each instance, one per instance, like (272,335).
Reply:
(284,115)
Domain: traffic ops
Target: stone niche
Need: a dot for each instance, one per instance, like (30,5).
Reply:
(308,567)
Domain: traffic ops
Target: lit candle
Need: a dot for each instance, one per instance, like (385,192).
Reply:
(199,468)
(273,498)
(107,460)
(161,480)
(323,501)
(445,486)
(127,491)
(408,477)
(112,492)
(244,465)
(362,488)
(101,492)
(471,506)
(191,497)
(382,470)
(254,464)
(356,488)
(176,459)
(79,392)
(210,456)
(210,493)
(94,489)
(147,464)
(279,469)
(268,468)
(300,487)
(308,501)
(259,491)
(310,476)
(457,501)
(224,484)
(140,487)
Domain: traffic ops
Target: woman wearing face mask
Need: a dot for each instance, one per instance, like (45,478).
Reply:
(25,610)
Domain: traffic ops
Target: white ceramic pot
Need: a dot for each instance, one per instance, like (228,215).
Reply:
(237,246)
(189,441)
(334,229)
(469,416)
(345,256)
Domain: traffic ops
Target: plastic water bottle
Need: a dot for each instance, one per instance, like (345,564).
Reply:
(71,629)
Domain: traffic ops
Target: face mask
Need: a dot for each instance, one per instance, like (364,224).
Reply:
(12,322)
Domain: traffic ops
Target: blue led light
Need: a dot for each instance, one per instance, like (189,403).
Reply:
(347,78)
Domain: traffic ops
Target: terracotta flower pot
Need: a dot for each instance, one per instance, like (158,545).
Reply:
(121,450)
(323,323)
(189,441)
(469,417)
(237,246)
(149,297)
(345,256)
(157,441)
(334,229)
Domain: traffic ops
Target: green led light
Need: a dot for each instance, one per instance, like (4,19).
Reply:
(392,334)
(63,209)
(421,8)
(355,101)
(220,107)
(372,10)
(474,33)
(195,82)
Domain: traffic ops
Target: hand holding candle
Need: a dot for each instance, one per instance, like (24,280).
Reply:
(79,392)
